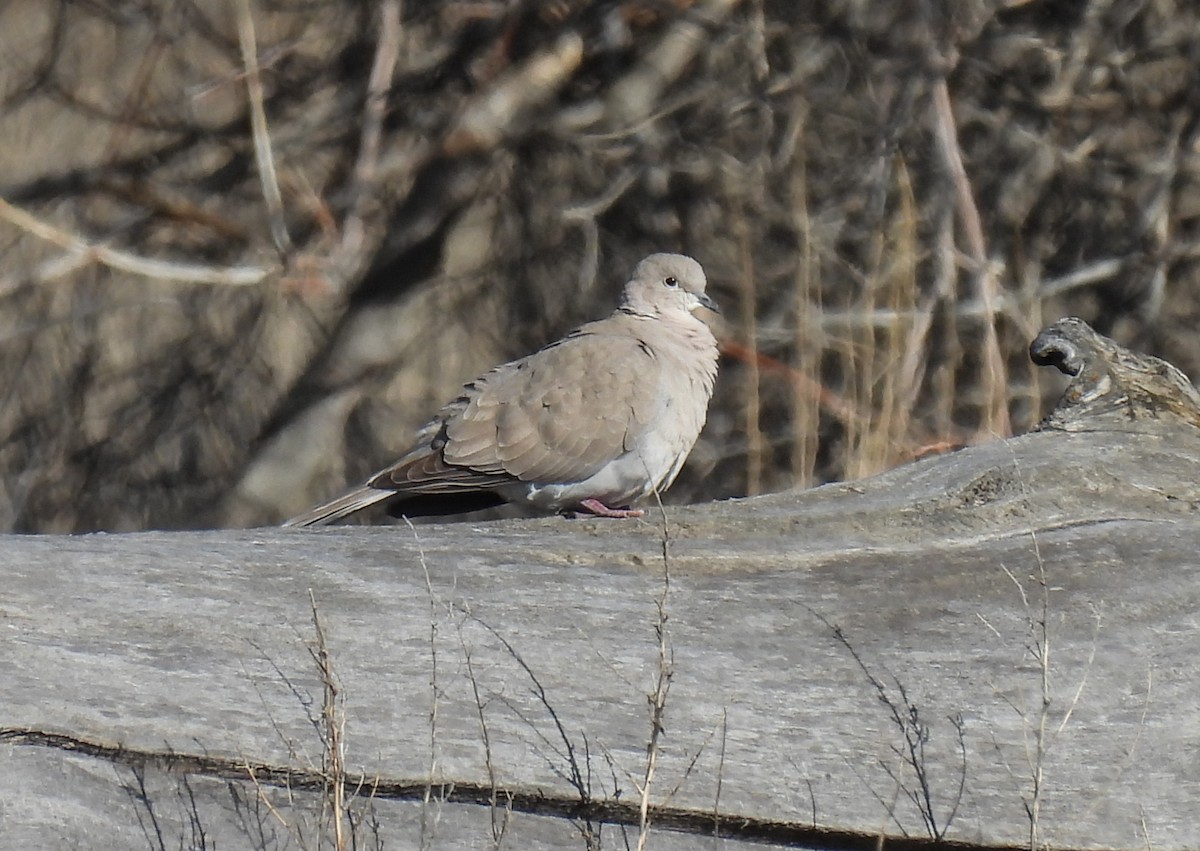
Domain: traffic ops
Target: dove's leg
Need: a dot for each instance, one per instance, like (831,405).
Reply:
(595,506)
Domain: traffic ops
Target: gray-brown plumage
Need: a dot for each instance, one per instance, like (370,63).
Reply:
(593,422)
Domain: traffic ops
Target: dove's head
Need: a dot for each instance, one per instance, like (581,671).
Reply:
(666,284)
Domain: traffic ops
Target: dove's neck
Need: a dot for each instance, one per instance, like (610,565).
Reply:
(676,316)
(637,311)
(682,336)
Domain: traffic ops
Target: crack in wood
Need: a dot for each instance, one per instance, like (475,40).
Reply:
(537,802)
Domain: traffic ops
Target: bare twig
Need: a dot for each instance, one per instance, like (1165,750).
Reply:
(720,774)
(86,252)
(947,137)
(915,734)
(333,765)
(575,776)
(144,801)
(585,215)
(1043,736)
(263,155)
(294,751)
(687,771)
(499,823)
(665,669)
(428,828)
(995,419)
(349,256)
(1092,273)
(807,301)
(263,797)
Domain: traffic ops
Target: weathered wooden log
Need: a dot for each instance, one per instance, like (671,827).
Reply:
(995,647)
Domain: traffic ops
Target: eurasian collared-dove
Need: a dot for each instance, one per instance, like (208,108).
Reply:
(593,422)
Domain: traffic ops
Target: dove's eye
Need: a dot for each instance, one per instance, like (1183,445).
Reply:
(671,283)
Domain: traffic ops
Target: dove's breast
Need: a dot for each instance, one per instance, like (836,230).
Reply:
(688,355)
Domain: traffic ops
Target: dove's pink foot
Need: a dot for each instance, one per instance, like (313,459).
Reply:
(598,508)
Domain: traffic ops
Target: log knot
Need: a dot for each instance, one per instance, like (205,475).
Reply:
(1112,386)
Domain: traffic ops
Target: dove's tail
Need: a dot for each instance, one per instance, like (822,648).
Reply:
(342,506)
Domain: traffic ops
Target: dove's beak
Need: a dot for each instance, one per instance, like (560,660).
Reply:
(705,300)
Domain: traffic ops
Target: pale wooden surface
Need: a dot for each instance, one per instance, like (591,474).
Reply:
(172,640)
(198,643)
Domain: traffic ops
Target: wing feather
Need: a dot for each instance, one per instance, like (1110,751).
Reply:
(557,416)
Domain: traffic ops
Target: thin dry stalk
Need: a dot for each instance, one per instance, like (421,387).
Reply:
(1044,736)
(263,155)
(500,817)
(574,773)
(1145,830)
(586,214)
(1131,751)
(875,357)
(687,772)
(333,765)
(1042,656)
(995,419)
(1039,649)
(662,685)
(897,391)
(264,798)
(914,354)
(151,826)
(888,806)
(915,734)
(337,786)
(720,774)
(751,400)
(294,751)
(807,299)
(944,391)
(428,827)
(858,349)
